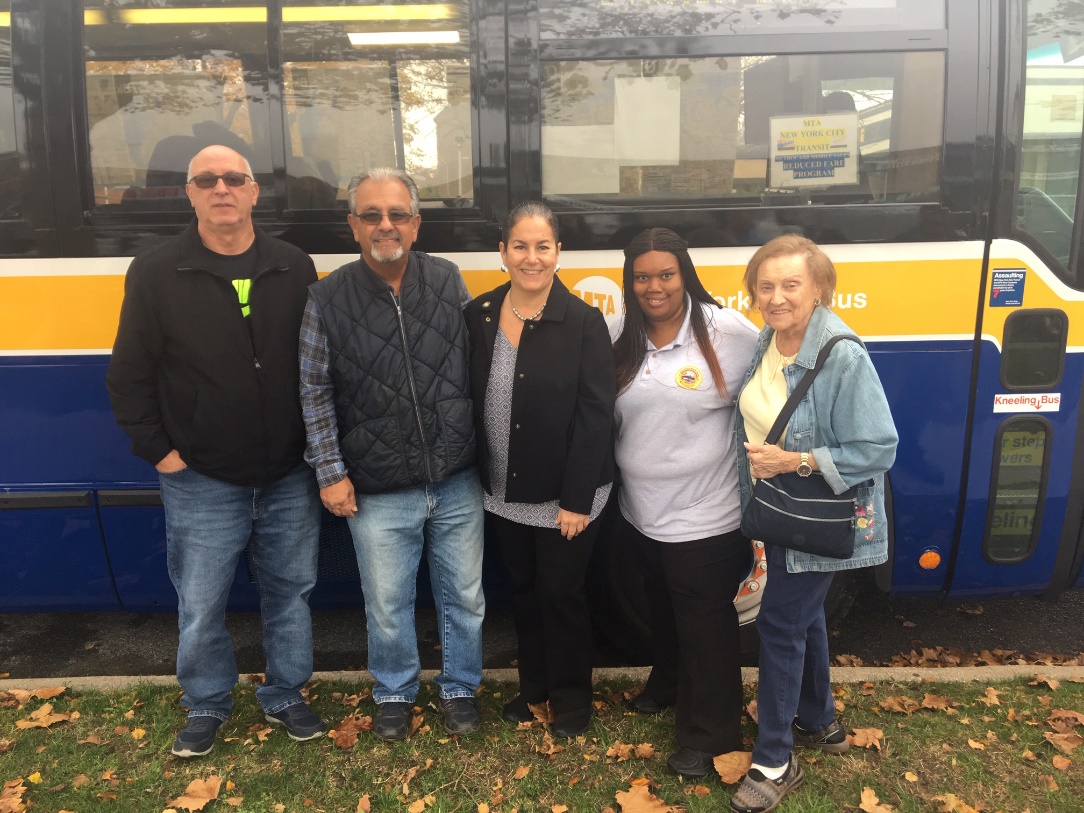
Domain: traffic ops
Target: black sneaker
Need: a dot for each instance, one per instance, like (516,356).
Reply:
(571,723)
(460,715)
(759,794)
(197,738)
(300,722)
(691,762)
(516,710)
(392,720)
(832,740)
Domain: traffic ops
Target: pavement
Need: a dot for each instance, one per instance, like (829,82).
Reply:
(840,674)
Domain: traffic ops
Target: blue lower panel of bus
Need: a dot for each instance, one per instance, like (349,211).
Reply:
(53,557)
(926,384)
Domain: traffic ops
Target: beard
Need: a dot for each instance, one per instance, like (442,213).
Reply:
(387,255)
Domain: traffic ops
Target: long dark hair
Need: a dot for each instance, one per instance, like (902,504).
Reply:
(631,346)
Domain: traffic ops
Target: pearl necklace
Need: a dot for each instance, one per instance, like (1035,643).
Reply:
(523,318)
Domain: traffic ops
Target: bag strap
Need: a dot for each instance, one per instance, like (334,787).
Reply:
(803,386)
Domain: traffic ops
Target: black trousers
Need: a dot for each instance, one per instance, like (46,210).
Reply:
(549,607)
(690,589)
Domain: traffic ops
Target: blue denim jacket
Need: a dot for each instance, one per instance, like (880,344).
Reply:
(845,422)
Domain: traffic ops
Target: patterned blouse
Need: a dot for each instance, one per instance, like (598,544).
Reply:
(498,419)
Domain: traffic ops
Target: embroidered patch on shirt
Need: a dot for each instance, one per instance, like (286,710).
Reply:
(688,378)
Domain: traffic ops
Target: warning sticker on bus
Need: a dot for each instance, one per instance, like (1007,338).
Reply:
(1007,288)
(1028,402)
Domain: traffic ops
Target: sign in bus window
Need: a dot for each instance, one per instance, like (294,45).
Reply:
(370,85)
(745,130)
(1019,486)
(564,19)
(165,82)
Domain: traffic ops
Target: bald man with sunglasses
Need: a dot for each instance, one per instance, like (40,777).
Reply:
(204,380)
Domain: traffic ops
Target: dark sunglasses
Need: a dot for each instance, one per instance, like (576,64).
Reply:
(209,181)
(395,217)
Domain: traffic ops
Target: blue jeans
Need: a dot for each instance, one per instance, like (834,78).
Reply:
(208,524)
(390,532)
(794,675)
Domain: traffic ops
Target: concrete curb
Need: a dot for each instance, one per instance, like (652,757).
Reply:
(840,674)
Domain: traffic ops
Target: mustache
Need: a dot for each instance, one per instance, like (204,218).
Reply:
(387,235)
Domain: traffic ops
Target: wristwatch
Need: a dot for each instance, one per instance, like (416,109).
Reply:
(804,469)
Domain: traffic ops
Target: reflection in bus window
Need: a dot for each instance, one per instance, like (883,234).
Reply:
(772,130)
(162,85)
(1015,512)
(10,177)
(647,18)
(377,85)
(1052,127)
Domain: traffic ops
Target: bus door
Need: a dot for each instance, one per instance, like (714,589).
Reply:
(1022,521)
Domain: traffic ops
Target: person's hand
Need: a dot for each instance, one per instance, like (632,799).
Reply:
(171,463)
(570,523)
(768,461)
(339,498)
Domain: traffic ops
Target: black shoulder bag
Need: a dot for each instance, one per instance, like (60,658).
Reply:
(802,513)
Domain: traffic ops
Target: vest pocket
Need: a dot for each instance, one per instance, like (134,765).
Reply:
(456,432)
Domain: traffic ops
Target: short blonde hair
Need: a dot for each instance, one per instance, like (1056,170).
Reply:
(794,245)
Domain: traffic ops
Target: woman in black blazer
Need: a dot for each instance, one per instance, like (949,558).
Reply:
(544,386)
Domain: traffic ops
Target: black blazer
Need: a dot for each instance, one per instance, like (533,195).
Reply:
(561,444)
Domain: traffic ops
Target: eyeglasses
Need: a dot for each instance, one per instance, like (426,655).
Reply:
(396,217)
(209,181)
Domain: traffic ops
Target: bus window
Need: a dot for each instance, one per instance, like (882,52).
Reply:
(646,18)
(368,85)
(772,130)
(1033,349)
(162,83)
(10,196)
(1052,127)
(1018,491)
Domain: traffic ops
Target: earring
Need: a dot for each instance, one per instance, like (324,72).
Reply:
(816,302)
(556,268)
(504,268)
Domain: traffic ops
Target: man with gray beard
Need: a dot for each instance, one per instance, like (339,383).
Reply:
(387,410)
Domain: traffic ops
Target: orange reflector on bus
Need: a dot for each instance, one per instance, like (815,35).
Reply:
(929,560)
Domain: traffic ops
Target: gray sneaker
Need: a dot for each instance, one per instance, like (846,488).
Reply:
(197,738)
(759,794)
(392,720)
(832,740)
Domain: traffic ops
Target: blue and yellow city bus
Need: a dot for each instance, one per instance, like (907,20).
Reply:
(933,148)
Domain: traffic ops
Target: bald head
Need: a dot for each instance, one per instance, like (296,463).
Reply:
(224,212)
(216,149)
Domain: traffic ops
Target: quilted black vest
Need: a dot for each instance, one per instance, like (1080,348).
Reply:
(402,397)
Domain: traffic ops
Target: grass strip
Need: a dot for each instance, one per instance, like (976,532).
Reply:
(918,747)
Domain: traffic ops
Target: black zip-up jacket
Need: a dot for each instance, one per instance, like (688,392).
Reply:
(399,368)
(188,374)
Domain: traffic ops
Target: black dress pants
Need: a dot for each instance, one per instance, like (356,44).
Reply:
(549,608)
(699,634)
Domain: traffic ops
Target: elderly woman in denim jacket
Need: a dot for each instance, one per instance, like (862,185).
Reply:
(841,428)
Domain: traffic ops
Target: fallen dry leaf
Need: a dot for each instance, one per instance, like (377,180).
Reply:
(234,801)
(521,771)
(198,793)
(751,710)
(138,733)
(991,697)
(80,780)
(978,746)
(701,791)
(482,807)
(938,703)
(1062,763)
(639,799)
(620,750)
(44,717)
(733,765)
(900,704)
(866,738)
(11,797)
(91,739)
(558,809)
(645,750)
(1043,680)
(417,807)
(6,745)
(1048,780)
(542,712)
(950,803)
(1066,743)
(346,732)
(871,804)
(1029,756)
(364,805)
(1065,720)
(910,777)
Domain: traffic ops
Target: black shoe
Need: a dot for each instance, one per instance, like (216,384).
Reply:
(516,710)
(460,715)
(832,740)
(197,738)
(571,723)
(646,704)
(690,762)
(392,720)
(300,722)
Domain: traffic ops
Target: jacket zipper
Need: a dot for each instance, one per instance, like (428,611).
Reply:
(413,389)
